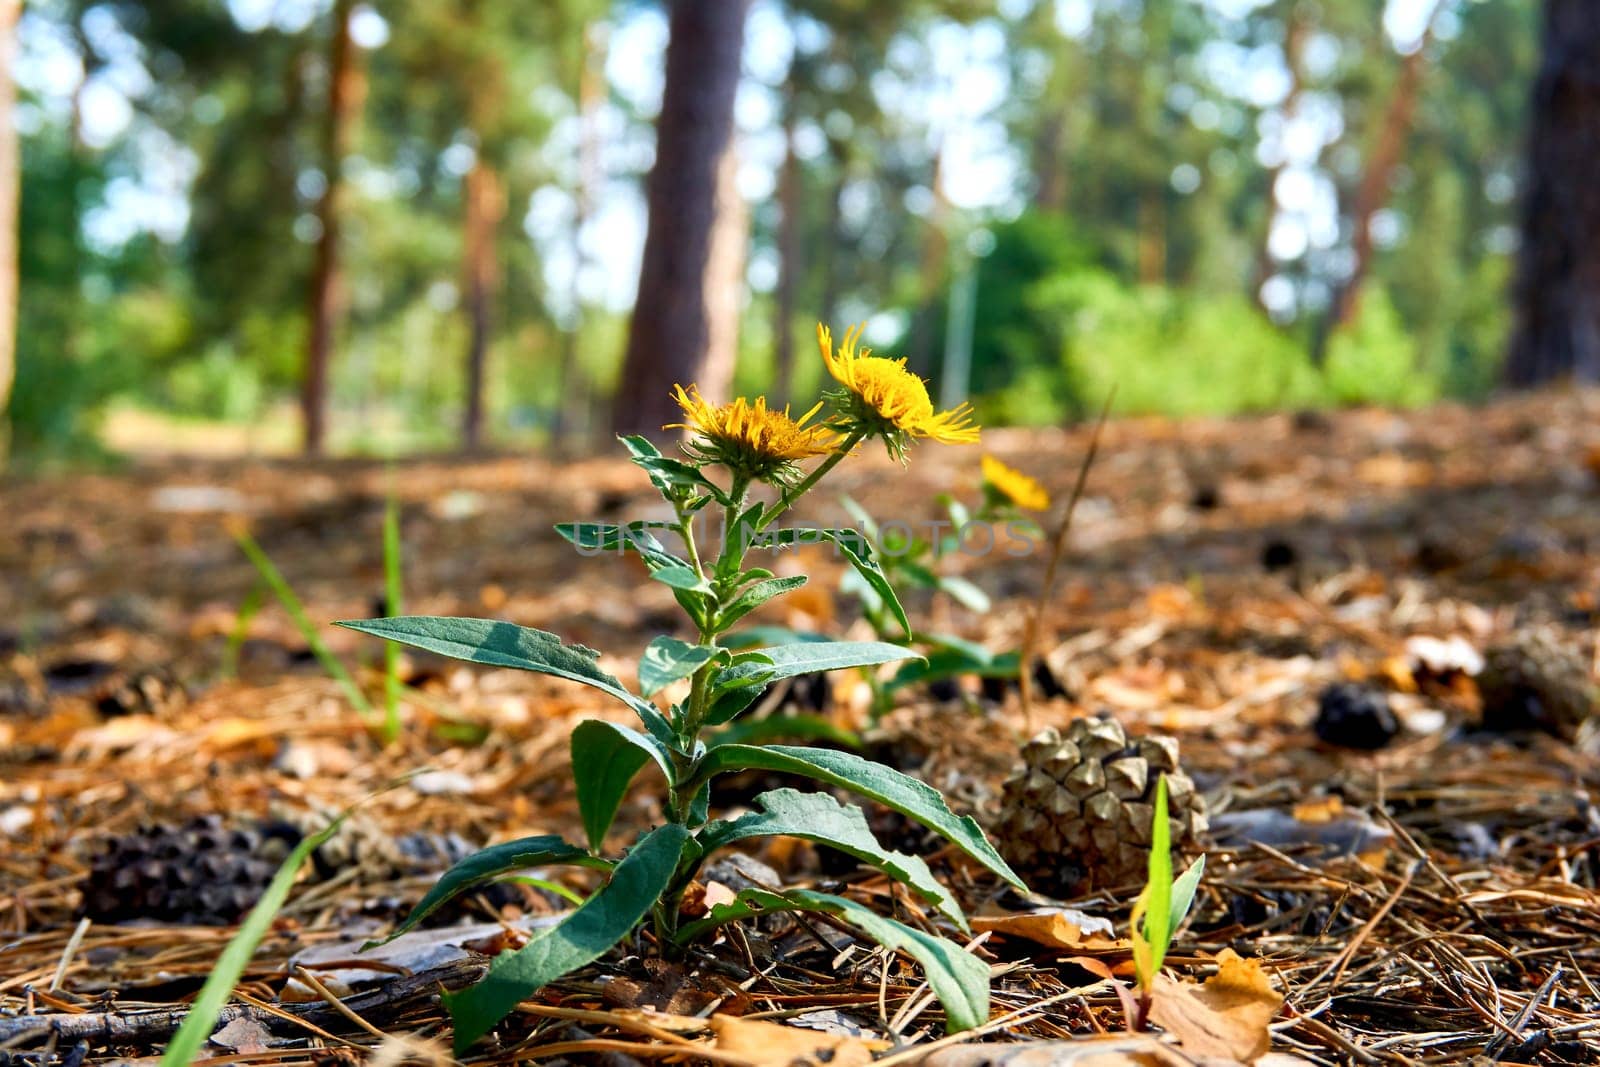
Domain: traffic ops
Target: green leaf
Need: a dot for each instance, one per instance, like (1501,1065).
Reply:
(668,659)
(859,553)
(911,798)
(605,919)
(666,473)
(1183,890)
(605,759)
(952,657)
(757,595)
(820,818)
(752,636)
(184,1048)
(681,577)
(965,593)
(504,644)
(736,687)
(789,727)
(958,978)
(486,865)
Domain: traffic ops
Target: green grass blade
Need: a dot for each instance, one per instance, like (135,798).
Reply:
(248,607)
(1158,911)
(297,612)
(202,1018)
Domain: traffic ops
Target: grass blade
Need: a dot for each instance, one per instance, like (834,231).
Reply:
(393,595)
(202,1017)
(297,612)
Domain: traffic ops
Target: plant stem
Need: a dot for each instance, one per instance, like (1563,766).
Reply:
(810,480)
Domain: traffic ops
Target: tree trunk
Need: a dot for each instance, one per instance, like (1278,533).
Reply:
(1373,192)
(932,273)
(327,296)
(1049,168)
(789,197)
(670,337)
(483,206)
(1557,332)
(10,198)
(1296,29)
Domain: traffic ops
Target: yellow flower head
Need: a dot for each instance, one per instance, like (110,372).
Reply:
(1013,487)
(882,398)
(748,438)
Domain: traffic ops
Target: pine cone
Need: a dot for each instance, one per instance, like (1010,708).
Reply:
(1534,682)
(1078,813)
(200,873)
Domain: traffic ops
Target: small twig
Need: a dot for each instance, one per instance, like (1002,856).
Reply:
(335,1003)
(67,953)
(1058,547)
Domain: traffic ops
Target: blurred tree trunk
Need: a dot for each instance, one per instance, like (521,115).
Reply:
(1557,333)
(789,197)
(327,296)
(933,272)
(10,197)
(724,284)
(833,232)
(669,340)
(572,409)
(1296,30)
(1049,171)
(484,205)
(1373,192)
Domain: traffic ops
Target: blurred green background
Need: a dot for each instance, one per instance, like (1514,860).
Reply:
(1215,205)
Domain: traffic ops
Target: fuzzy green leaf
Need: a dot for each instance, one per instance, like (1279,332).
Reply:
(605,759)
(757,595)
(504,644)
(910,797)
(668,659)
(736,687)
(486,865)
(819,818)
(608,916)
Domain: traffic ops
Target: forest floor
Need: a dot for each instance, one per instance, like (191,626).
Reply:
(1433,901)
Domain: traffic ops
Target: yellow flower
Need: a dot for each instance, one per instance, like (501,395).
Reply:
(1013,486)
(748,438)
(882,398)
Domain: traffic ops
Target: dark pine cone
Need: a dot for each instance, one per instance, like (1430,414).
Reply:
(1534,682)
(1354,716)
(200,873)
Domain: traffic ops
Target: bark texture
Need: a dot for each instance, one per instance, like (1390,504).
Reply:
(326,302)
(1557,333)
(10,198)
(669,340)
(485,205)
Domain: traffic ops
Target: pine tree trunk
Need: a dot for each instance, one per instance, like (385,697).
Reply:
(670,337)
(484,205)
(10,199)
(1373,193)
(326,295)
(1557,332)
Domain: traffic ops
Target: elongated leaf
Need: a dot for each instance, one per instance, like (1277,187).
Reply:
(952,658)
(184,1048)
(486,865)
(668,659)
(798,727)
(605,758)
(820,818)
(757,595)
(911,798)
(736,687)
(1183,890)
(965,593)
(681,577)
(753,636)
(958,978)
(853,545)
(504,644)
(667,474)
(605,919)
(595,538)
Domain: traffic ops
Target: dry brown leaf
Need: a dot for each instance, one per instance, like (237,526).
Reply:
(787,1046)
(244,1036)
(1053,928)
(1227,1017)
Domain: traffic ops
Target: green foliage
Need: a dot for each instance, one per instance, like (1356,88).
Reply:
(698,738)
(1164,902)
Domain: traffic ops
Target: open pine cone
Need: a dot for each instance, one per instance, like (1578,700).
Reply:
(1078,813)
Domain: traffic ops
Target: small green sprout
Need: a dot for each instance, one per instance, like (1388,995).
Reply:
(1165,901)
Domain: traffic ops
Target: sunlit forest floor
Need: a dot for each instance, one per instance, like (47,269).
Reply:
(1431,901)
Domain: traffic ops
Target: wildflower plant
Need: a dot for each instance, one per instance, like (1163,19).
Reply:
(1008,496)
(748,461)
